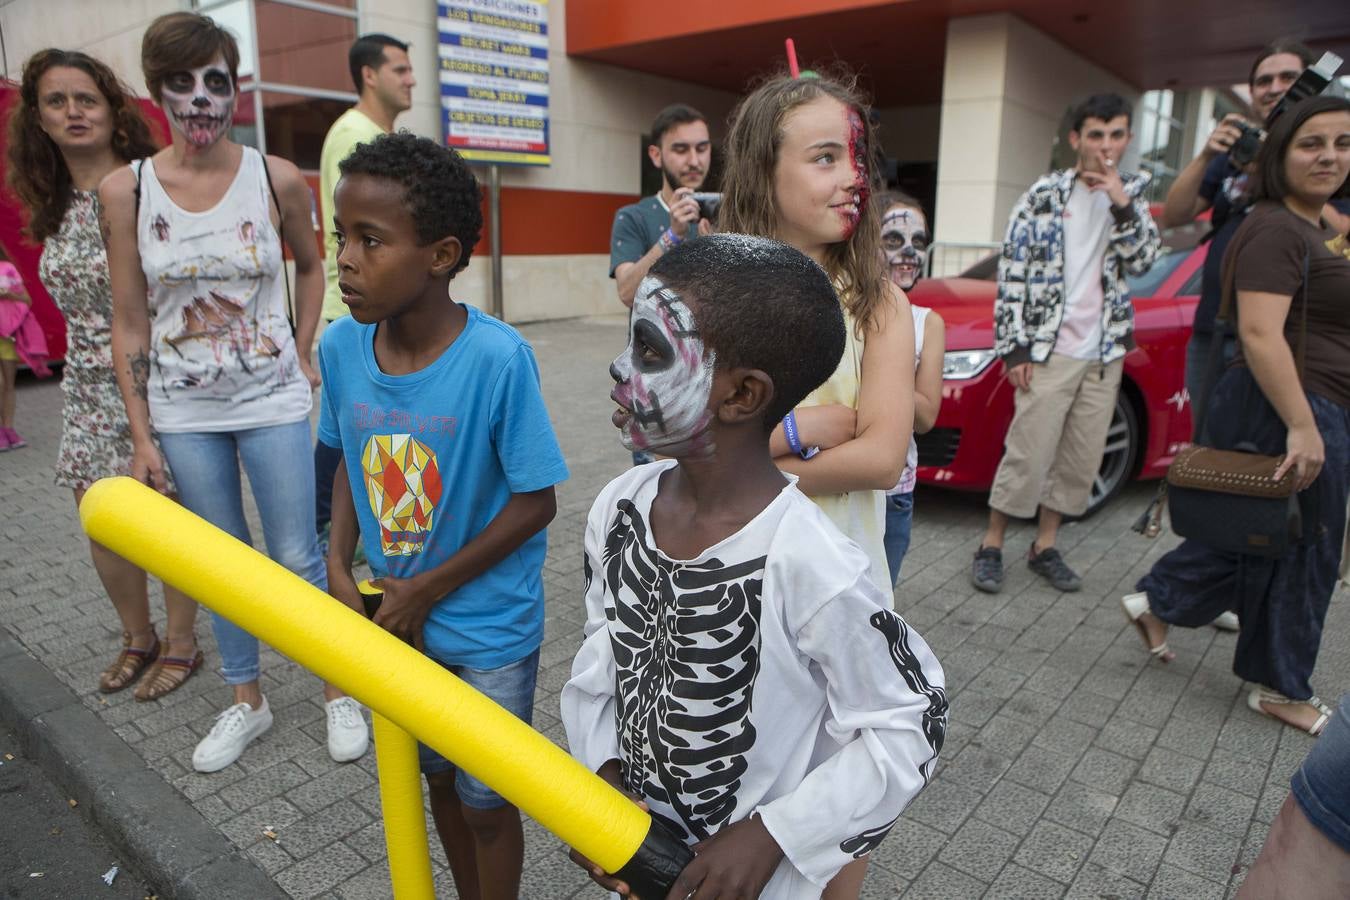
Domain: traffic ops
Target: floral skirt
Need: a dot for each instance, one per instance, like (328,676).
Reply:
(95,434)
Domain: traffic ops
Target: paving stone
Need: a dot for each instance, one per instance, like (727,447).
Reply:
(1104,770)
(1127,738)
(943,805)
(1042,769)
(1096,882)
(1170,769)
(1011,806)
(314,794)
(1065,735)
(315,874)
(1203,851)
(1087,708)
(1220,808)
(264,785)
(1128,850)
(1237,773)
(882,884)
(1148,806)
(942,882)
(1054,851)
(978,768)
(979,849)
(1017,883)
(909,847)
(1172,882)
(247,828)
(1006,735)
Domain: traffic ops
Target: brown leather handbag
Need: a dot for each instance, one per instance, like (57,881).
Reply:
(1230,499)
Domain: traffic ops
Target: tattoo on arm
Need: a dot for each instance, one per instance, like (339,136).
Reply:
(104,226)
(138,364)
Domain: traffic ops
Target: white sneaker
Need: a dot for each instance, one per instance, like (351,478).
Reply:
(348,736)
(1227,621)
(233,731)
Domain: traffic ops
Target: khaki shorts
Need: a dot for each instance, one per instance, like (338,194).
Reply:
(1054,445)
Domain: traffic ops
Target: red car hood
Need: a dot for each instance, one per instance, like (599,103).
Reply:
(965,304)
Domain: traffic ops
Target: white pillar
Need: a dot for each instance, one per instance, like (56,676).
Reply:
(1006,88)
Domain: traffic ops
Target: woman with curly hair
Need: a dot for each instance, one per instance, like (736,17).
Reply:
(202,347)
(74,124)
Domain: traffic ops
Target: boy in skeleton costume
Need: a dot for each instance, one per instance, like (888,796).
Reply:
(904,239)
(741,675)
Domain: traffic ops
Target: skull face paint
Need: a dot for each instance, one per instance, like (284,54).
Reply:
(200,102)
(904,238)
(664,377)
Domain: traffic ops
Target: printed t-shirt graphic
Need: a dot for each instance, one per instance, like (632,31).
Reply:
(403,484)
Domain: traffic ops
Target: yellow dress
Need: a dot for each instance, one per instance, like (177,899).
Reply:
(861,515)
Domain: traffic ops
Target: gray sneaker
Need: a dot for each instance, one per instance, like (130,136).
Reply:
(1052,567)
(986,571)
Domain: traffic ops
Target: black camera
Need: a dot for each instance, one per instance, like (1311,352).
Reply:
(1312,81)
(708,204)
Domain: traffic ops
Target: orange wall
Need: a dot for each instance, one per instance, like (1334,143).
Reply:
(599,24)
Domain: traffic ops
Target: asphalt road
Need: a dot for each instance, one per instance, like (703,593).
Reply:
(47,848)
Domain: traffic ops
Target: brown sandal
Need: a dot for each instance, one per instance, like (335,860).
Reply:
(167,675)
(128,665)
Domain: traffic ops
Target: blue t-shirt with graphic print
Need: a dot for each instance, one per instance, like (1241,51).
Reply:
(432,457)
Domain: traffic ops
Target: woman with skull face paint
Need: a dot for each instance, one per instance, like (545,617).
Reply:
(202,344)
(904,240)
(798,170)
(74,124)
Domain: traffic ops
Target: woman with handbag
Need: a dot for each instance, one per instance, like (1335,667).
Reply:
(1287,392)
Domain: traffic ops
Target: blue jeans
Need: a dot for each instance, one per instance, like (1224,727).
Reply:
(281,472)
(899,521)
(1321,786)
(1282,602)
(511,687)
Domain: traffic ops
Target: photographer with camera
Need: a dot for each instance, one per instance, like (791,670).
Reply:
(1217,180)
(682,150)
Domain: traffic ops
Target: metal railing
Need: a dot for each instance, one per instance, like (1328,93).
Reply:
(948,258)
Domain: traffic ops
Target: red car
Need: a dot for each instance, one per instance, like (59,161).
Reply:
(1152,419)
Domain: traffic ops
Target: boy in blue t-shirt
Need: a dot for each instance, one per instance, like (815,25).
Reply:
(449,462)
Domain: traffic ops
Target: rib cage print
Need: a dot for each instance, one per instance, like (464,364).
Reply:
(686,643)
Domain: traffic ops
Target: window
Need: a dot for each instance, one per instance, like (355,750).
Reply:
(293,76)
(1160,123)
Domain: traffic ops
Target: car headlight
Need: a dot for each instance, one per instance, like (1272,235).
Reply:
(960,365)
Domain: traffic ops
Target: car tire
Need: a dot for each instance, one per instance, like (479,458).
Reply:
(1118,456)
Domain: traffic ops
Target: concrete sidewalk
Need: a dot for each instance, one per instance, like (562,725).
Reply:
(1071,768)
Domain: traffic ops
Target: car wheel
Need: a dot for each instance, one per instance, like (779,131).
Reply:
(1122,448)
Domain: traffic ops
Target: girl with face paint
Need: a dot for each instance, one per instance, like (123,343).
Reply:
(73,125)
(904,238)
(201,342)
(800,169)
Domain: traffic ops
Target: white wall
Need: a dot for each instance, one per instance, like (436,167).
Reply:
(1005,89)
(110,31)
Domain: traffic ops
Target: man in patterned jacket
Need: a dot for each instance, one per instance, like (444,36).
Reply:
(1063,324)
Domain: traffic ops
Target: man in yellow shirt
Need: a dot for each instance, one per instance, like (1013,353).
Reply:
(384,80)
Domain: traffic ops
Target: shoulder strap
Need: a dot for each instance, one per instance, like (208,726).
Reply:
(281,233)
(140,164)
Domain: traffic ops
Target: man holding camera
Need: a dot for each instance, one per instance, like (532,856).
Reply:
(643,231)
(1217,180)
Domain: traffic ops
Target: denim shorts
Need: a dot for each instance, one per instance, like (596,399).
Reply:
(1322,784)
(510,687)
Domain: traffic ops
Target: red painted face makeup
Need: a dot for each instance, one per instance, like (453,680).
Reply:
(857,151)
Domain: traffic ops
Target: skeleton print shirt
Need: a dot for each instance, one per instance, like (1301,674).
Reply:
(766,676)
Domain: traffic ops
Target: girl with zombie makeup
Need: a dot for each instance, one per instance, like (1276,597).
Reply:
(202,345)
(799,170)
(904,240)
(73,125)
(1286,277)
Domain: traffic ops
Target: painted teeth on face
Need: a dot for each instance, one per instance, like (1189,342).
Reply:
(664,376)
(200,102)
(904,238)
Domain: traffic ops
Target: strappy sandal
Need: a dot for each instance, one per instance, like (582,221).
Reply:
(129,665)
(1135,606)
(167,675)
(1259,695)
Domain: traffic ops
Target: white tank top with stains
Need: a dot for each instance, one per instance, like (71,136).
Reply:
(222,356)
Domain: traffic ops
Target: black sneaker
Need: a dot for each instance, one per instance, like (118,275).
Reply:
(986,572)
(1052,567)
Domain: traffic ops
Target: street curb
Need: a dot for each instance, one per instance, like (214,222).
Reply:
(163,837)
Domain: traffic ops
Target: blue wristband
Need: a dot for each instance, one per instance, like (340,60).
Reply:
(790,432)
